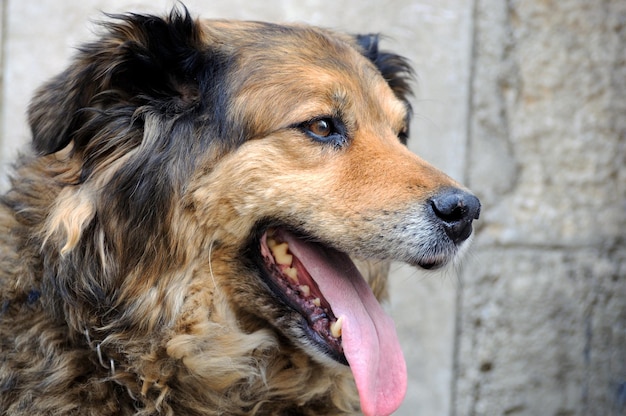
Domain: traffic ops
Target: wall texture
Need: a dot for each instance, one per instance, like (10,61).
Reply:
(525,102)
(542,322)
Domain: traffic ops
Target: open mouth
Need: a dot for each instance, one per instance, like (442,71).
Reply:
(297,288)
(342,317)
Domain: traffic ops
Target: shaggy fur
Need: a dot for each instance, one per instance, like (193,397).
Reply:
(131,280)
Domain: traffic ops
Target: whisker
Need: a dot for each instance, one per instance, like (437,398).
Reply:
(211,264)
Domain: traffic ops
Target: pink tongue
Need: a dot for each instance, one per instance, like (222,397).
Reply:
(368,335)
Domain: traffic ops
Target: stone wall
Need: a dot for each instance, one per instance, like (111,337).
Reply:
(523,101)
(542,321)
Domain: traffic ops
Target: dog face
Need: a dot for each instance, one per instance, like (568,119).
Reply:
(215,180)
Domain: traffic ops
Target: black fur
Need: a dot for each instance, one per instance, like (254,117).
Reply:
(141,60)
(149,82)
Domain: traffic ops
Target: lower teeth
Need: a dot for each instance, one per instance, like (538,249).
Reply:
(335,327)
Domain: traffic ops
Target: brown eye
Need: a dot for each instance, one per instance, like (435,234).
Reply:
(329,130)
(322,127)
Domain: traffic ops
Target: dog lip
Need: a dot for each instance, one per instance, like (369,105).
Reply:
(430,265)
(433,262)
(321,343)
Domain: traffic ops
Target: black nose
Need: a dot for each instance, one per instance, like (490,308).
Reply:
(456,209)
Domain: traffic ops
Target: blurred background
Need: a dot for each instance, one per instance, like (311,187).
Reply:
(522,101)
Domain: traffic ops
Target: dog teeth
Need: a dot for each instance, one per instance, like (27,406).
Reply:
(280,254)
(291,273)
(306,291)
(317,302)
(335,327)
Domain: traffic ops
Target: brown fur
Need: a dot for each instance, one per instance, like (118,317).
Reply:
(125,283)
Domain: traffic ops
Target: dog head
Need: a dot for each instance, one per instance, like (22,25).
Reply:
(216,174)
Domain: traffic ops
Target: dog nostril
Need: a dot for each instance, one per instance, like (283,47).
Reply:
(456,205)
(456,209)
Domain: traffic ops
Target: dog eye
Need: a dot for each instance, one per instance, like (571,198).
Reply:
(322,127)
(326,130)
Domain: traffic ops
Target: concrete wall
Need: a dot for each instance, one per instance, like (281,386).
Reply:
(542,322)
(525,102)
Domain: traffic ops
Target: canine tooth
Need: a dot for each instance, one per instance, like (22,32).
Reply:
(306,291)
(281,255)
(291,273)
(317,302)
(335,327)
(271,243)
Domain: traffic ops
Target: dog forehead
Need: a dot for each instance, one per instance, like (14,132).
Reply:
(303,71)
(262,47)
(244,33)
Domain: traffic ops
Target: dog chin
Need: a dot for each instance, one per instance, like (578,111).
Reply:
(451,260)
(315,348)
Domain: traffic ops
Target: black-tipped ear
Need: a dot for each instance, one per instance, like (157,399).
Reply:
(394,68)
(53,112)
(139,59)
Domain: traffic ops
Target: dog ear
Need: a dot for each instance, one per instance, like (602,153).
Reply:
(140,59)
(53,110)
(394,68)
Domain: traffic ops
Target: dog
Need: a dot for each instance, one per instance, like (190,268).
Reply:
(204,222)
